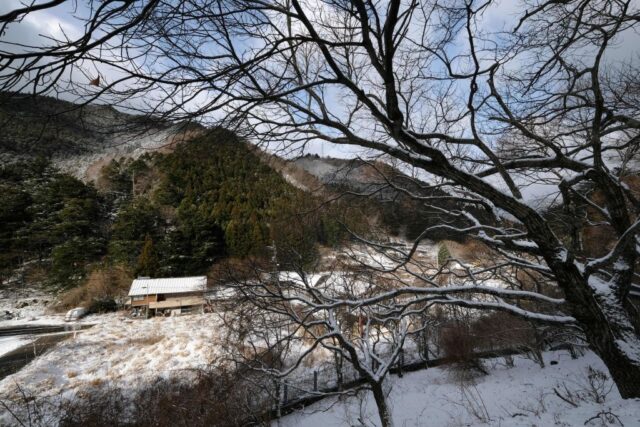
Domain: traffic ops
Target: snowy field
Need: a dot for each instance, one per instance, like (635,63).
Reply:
(27,306)
(127,353)
(120,352)
(519,396)
(8,344)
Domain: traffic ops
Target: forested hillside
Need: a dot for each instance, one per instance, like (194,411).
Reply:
(158,215)
(404,206)
(49,219)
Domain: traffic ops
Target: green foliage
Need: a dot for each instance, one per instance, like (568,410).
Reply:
(69,259)
(148,263)
(50,216)
(13,217)
(193,243)
(120,175)
(219,199)
(211,198)
(297,228)
(443,254)
(134,222)
(219,180)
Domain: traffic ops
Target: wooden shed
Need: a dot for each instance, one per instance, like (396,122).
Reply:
(167,296)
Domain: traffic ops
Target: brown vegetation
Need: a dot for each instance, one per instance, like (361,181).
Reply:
(458,346)
(470,250)
(211,399)
(599,238)
(104,283)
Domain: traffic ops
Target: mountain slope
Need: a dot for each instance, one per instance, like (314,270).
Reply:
(163,214)
(394,201)
(78,140)
(83,141)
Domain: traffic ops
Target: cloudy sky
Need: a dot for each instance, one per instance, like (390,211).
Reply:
(67,20)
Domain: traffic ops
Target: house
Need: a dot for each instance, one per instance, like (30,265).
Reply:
(168,296)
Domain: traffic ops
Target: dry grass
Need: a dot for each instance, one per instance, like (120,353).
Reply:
(145,341)
(96,382)
(103,283)
(471,251)
(36,274)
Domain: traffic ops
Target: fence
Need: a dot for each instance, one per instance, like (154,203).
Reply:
(312,385)
(295,393)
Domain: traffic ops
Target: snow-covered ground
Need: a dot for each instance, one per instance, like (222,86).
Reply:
(125,353)
(32,306)
(519,396)
(128,354)
(8,344)
(26,306)
(122,352)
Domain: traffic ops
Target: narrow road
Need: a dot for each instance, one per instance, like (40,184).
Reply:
(8,331)
(47,337)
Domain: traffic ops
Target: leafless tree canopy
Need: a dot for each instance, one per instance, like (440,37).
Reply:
(488,116)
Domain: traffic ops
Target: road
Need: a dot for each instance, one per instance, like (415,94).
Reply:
(46,336)
(40,329)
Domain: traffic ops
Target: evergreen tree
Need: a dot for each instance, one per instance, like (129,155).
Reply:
(134,222)
(148,263)
(443,254)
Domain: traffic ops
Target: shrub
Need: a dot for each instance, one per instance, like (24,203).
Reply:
(443,255)
(102,305)
(458,347)
(501,330)
(213,398)
(100,291)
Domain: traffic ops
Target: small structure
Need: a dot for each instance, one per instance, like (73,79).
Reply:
(169,296)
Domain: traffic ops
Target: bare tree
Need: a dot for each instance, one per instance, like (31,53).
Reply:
(323,317)
(484,115)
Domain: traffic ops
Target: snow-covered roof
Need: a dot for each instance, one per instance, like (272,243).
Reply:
(169,285)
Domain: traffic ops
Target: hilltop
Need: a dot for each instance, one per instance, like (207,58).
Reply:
(79,141)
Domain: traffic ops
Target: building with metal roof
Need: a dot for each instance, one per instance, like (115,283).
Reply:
(167,296)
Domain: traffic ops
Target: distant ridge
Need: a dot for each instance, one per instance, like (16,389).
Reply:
(79,139)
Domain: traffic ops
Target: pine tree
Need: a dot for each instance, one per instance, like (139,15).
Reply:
(443,254)
(148,260)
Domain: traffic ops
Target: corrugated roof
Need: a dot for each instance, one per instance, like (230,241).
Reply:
(169,285)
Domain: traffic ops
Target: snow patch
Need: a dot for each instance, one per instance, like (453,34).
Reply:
(520,396)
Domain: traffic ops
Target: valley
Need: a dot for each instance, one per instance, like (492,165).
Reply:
(327,279)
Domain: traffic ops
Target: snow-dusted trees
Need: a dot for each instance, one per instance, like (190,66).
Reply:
(284,321)
(548,106)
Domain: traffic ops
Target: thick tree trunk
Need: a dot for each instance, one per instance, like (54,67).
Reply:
(619,349)
(598,308)
(384,411)
(611,333)
(624,370)
(599,311)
